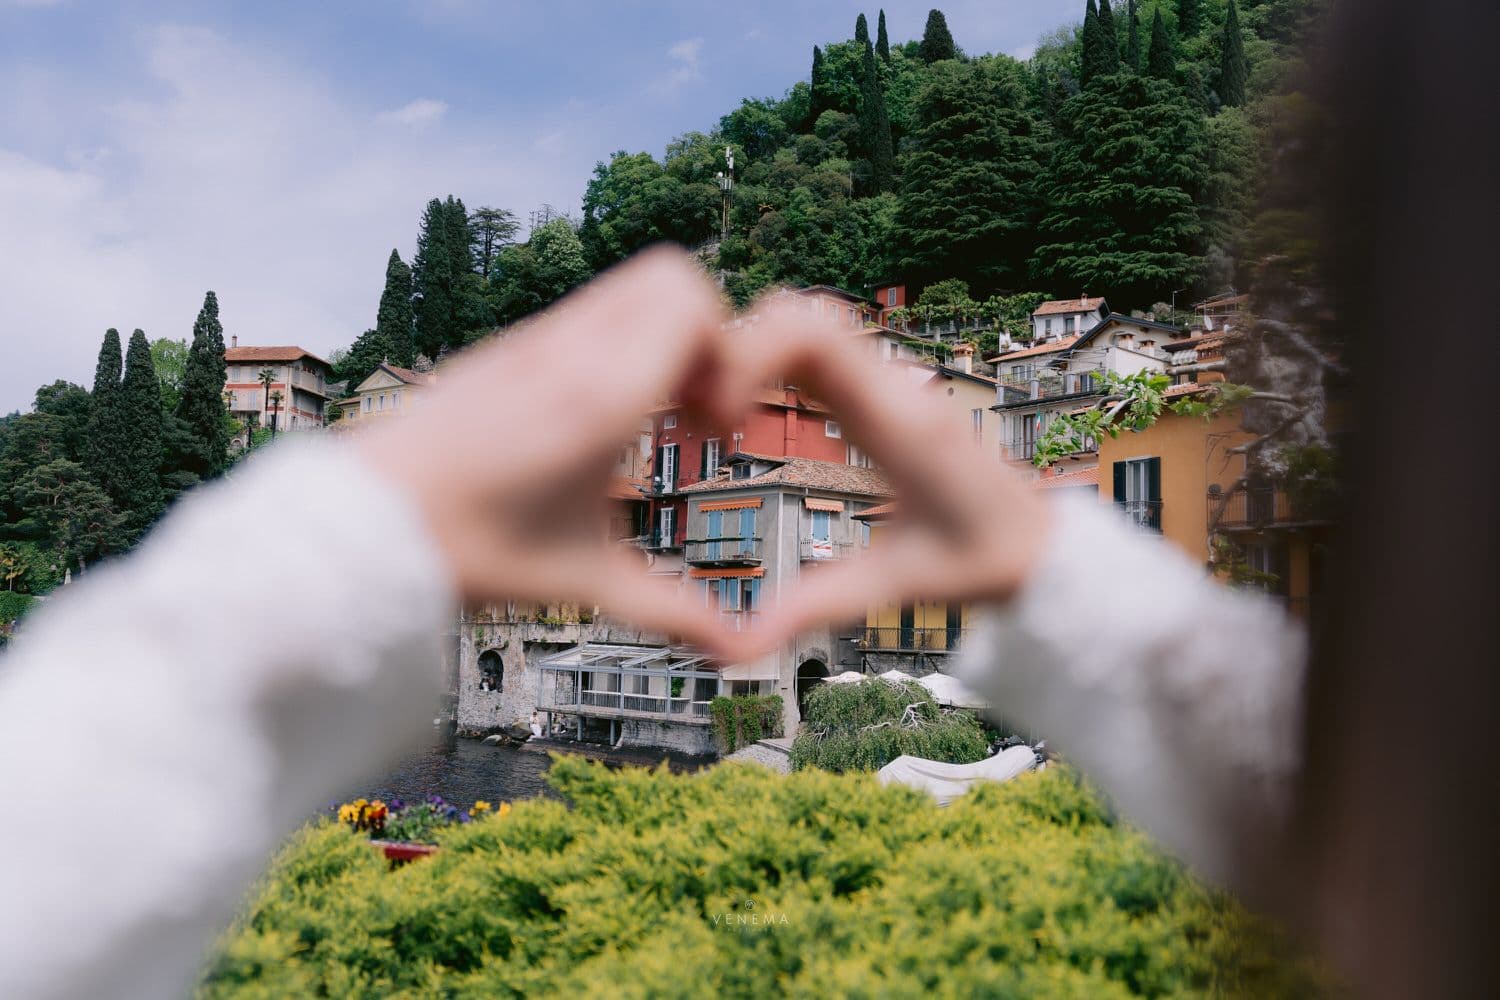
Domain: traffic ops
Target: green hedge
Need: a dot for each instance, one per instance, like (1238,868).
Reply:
(13,606)
(858,727)
(739,882)
(740,720)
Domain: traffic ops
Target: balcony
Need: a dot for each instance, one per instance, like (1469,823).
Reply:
(896,639)
(1258,508)
(726,551)
(309,383)
(1041,385)
(656,541)
(817,550)
(1142,513)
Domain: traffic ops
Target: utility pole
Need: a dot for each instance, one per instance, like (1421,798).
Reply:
(726,188)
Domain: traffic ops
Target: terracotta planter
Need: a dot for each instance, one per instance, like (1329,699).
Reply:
(395,850)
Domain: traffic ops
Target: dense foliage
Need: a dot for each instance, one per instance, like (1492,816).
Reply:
(866,725)
(739,882)
(740,720)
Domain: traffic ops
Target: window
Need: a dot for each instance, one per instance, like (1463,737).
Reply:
(669,421)
(1047,326)
(666,469)
(368,403)
(832,429)
(1022,373)
(1137,488)
(859,459)
(1068,325)
(382,401)
(890,297)
(822,526)
(895,350)
(976,419)
(666,527)
(853,316)
(864,534)
(741,471)
(396,400)
(711,458)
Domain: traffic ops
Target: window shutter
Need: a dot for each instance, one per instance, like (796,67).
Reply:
(1119,470)
(1153,479)
(659,468)
(703,460)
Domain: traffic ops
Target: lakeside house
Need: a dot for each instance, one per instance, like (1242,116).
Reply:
(295,398)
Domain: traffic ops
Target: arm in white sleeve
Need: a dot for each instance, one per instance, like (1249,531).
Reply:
(1179,696)
(168,719)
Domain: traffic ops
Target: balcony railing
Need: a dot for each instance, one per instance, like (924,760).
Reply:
(619,702)
(1016,389)
(1143,513)
(1254,508)
(656,540)
(813,549)
(725,551)
(896,639)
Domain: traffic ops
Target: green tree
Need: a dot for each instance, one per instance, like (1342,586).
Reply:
(1161,59)
(77,518)
(1123,196)
(1232,67)
(433,279)
(491,229)
(819,87)
(937,41)
(882,41)
(1109,40)
(169,358)
(363,357)
(1132,39)
(968,186)
(106,432)
(1189,18)
(875,126)
(533,275)
(633,201)
(202,404)
(140,498)
(861,30)
(394,321)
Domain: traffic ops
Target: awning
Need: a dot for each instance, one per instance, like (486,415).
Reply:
(702,573)
(731,504)
(763,669)
(815,503)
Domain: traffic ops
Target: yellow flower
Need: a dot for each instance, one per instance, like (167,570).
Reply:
(480,808)
(503,810)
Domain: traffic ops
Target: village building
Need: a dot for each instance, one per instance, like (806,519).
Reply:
(296,397)
(1059,319)
(388,391)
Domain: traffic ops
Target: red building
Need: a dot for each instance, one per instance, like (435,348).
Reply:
(784,423)
(888,298)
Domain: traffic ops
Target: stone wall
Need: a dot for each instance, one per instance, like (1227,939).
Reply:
(675,736)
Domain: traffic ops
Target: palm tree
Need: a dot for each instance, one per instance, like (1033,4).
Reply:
(267,376)
(276,399)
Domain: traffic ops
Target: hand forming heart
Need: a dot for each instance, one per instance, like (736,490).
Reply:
(510,457)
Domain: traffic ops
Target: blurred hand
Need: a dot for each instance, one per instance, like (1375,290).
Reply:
(509,458)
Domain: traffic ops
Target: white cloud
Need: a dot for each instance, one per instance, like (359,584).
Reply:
(687,54)
(420,113)
(224,168)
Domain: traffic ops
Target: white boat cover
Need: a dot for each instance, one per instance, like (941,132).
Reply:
(847,677)
(950,691)
(946,782)
(896,676)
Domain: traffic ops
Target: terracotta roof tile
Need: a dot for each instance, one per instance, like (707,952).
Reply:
(240,355)
(410,377)
(1055,306)
(1060,345)
(1064,480)
(804,472)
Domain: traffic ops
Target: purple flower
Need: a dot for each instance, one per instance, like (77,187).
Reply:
(396,805)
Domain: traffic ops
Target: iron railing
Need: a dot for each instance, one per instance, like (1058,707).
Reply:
(1253,508)
(813,549)
(724,550)
(900,639)
(620,701)
(1143,513)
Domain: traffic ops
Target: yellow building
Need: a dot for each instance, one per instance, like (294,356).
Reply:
(1182,478)
(917,638)
(388,391)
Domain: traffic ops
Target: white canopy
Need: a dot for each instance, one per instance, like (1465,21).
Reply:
(946,782)
(947,690)
(896,676)
(847,677)
(763,669)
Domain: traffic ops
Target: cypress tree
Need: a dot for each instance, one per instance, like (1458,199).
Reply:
(1088,42)
(460,237)
(1232,69)
(432,280)
(1107,49)
(103,445)
(1133,40)
(818,102)
(861,30)
(937,41)
(1189,18)
(140,497)
(394,319)
(875,125)
(1161,62)
(202,403)
(882,41)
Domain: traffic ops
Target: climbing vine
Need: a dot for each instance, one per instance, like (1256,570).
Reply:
(740,720)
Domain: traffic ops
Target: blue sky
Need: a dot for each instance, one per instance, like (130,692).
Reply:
(276,151)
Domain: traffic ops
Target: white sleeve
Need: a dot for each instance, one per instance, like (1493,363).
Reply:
(1179,696)
(168,719)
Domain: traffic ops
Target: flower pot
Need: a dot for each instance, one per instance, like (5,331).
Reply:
(395,850)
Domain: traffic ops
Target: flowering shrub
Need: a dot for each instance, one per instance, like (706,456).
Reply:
(417,823)
(738,882)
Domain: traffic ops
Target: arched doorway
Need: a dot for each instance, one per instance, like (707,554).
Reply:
(809,675)
(491,670)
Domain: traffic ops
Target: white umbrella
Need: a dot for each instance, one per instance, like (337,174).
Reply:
(948,690)
(847,677)
(896,677)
